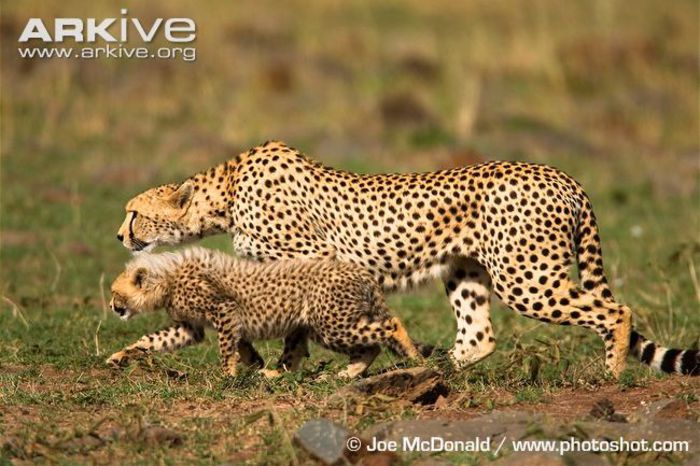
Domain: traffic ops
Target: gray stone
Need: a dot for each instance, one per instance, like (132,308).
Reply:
(323,439)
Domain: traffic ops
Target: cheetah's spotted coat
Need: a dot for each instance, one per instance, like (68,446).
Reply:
(513,229)
(336,304)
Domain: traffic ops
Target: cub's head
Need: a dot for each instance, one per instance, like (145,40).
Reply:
(159,216)
(134,291)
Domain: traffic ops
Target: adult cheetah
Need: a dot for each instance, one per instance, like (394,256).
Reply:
(337,304)
(505,227)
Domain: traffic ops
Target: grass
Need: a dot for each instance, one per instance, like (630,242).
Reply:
(607,94)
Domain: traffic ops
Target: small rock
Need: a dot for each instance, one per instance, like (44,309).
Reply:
(330,444)
(324,440)
(604,409)
(420,385)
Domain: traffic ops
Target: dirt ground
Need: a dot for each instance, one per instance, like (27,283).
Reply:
(106,433)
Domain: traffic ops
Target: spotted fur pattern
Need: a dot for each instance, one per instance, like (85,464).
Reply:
(336,304)
(504,228)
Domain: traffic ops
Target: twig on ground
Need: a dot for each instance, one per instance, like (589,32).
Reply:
(97,338)
(59,269)
(16,311)
(694,278)
(102,295)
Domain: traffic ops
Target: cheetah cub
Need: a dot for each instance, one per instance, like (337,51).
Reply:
(338,305)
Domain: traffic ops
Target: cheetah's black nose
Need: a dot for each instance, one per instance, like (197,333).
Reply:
(120,237)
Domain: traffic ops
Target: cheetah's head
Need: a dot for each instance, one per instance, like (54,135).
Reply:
(160,216)
(135,291)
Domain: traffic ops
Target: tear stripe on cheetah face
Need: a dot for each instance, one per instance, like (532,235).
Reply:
(525,224)
(337,304)
(167,215)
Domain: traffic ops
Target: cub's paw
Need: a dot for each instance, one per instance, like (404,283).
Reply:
(350,373)
(118,359)
(125,356)
(270,373)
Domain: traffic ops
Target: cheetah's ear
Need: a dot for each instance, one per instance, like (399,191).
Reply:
(182,195)
(140,276)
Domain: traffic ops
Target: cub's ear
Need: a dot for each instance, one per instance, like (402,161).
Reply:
(140,276)
(182,195)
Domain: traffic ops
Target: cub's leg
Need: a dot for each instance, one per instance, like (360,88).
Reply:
(249,356)
(362,341)
(228,350)
(169,339)
(398,340)
(360,360)
(361,329)
(228,328)
(296,348)
(468,287)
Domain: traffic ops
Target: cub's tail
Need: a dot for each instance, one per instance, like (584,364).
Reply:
(664,359)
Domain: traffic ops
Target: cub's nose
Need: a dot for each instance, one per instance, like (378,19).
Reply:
(120,237)
(120,310)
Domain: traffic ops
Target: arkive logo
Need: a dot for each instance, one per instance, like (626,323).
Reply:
(111,30)
(121,38)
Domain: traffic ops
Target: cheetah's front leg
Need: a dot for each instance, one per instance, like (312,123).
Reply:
(169,339)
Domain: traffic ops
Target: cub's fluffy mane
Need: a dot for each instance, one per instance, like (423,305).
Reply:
(161,265)
(164,263)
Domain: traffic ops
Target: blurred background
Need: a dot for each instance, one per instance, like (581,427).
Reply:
(606,90)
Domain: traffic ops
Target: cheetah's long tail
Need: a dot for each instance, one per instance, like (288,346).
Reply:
(669,360)
(590,266)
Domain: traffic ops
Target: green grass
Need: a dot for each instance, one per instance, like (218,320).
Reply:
(606,94)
